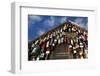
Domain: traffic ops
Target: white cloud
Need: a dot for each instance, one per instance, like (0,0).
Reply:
(87,25)
(40,32)
(50,21)
(80,22)
(29,40)
(34,19)
(63,19)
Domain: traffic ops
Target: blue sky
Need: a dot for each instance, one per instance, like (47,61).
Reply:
(39,24)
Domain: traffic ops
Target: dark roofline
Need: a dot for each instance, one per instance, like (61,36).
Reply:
(61,25)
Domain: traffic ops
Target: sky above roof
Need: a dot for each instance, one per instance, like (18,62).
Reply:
(39,24)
